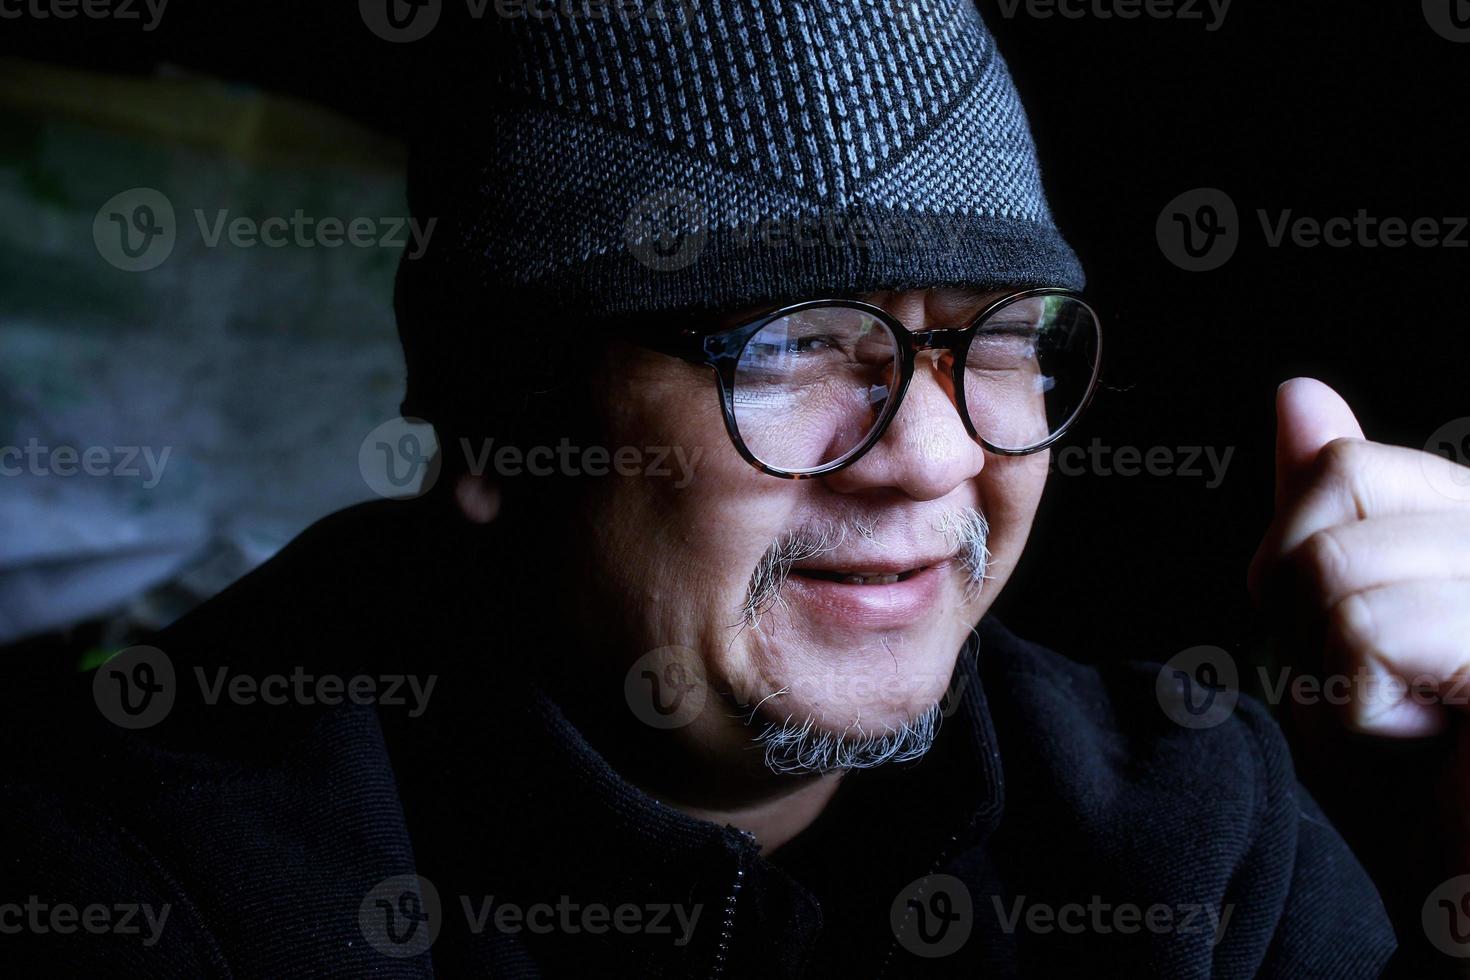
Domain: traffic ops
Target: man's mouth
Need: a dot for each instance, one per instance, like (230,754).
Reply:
(869,595)
(859,577)
(842,572)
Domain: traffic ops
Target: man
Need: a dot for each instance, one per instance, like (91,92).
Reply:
(719,697)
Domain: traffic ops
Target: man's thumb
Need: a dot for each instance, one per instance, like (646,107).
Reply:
(1309,415)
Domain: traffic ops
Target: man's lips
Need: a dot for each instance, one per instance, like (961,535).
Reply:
(886,571)
(857,578)
(860,597)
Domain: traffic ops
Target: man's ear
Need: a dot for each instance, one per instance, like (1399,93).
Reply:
(477,497)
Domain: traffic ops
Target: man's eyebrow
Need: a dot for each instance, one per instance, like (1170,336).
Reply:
(964,297)
(971,295)
(728,319)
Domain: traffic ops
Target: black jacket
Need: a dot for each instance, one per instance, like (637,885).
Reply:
(1061,826)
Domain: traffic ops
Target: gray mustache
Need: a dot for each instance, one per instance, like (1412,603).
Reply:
(966,530)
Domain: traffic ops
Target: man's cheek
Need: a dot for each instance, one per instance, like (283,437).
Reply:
(1010,493)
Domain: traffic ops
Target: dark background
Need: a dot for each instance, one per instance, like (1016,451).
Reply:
(1319,107)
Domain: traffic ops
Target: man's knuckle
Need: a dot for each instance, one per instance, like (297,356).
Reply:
(1342,457)
(1351,623)
(1343,472)
(1325,562)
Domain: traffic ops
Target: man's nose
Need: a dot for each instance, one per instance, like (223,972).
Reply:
(926,451)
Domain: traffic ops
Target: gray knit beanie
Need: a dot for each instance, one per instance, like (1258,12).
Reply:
(678,155)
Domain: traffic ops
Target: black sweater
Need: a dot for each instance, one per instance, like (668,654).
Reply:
(1061,826)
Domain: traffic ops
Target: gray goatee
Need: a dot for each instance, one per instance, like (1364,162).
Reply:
(798,747)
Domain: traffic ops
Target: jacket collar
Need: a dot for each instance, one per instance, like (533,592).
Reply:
(532,812)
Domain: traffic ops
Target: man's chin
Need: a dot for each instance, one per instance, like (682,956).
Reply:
(795,744)
(856,680)
(847,675)
(883,704)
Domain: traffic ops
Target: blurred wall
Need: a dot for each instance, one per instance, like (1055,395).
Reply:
(178,398)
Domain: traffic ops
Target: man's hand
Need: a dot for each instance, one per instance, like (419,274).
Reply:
(1368,549)
(1365,572)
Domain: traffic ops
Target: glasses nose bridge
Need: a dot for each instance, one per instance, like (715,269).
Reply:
(948,339)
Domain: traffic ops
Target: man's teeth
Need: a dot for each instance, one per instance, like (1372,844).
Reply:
(857,578)
(869,579)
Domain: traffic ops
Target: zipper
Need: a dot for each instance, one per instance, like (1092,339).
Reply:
(944,855)
(727,926)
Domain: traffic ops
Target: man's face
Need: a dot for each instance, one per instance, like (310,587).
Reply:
(820,612)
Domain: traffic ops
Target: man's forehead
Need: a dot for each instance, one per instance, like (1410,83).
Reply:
(945,302)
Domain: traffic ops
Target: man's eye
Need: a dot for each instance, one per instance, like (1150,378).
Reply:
(1001,347)
(1017,337)
(1010,328)
(811,344)
(796,345)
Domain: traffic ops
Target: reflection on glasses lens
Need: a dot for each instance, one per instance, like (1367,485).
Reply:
(810,386)
(1029,369)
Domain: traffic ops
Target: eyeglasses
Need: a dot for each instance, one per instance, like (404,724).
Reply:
(807,389)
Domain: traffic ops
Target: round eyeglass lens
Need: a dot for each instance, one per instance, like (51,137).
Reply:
(1029,370)
(811,386)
